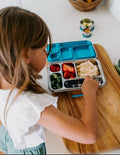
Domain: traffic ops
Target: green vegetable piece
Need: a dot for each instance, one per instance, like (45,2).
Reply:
(53,83)
(84,23)
(55,75)
(58,86)
(117,69)
(59,79)
(51,76)
(89,24)
(119,63)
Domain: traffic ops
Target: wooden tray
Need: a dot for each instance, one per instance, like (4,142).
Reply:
(108,104)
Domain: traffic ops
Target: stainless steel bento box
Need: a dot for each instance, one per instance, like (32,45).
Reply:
(65,75)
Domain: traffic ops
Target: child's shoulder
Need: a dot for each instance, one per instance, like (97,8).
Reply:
(43,98)
(28,106)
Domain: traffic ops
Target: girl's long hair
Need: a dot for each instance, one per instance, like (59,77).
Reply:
(20,30)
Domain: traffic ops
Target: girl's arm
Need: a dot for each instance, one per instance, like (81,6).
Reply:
(83,130)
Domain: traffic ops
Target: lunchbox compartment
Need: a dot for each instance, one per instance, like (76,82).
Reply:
(66,53)
(68,71)
(78,52)
(55,68)
(83,52)
(55,56)
(56,81)
(77,83)
(73,83)
(89,67)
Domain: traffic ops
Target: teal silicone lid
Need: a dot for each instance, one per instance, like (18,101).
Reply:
(74,50)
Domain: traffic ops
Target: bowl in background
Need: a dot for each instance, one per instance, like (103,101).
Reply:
(87,23)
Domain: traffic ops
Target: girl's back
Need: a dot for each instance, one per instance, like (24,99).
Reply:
(23,116)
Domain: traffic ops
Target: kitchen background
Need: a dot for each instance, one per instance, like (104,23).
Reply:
(114,7)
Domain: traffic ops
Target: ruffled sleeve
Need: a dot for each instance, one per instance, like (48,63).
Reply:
(27,111)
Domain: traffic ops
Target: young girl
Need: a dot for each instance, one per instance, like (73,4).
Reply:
(25,107)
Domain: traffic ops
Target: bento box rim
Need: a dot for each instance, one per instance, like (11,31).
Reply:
(74,59)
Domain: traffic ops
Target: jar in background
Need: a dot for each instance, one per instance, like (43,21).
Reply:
(87,32)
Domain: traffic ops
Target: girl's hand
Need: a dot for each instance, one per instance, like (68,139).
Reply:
(89,88)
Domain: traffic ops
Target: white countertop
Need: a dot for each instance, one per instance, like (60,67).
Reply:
(64,23)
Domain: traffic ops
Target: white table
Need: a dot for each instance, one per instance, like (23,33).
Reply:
(64,21)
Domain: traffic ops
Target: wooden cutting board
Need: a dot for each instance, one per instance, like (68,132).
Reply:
(108,104)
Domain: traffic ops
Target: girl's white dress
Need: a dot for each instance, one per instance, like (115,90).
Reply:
(23,115)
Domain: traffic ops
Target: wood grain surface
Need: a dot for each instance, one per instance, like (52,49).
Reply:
(108,105)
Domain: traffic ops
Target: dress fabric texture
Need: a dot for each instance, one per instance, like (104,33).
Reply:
(22,131)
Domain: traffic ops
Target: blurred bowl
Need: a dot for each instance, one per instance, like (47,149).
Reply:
(81,5)
(87,23)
